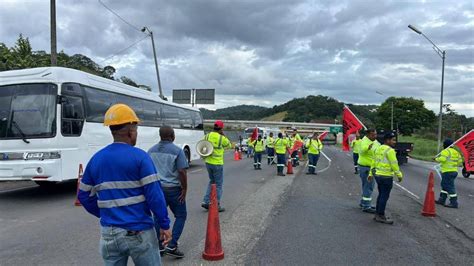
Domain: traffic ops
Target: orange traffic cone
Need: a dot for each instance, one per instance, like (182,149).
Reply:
(289,169)
(236,155)
(240,155)
(79,178)
(213,249)
(429,208)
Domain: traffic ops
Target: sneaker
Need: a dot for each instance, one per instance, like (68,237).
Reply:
(439,202)
(383,219)
(368,210)
(174,252)
(221,209)
(450,205)
(205,205)
(280,174)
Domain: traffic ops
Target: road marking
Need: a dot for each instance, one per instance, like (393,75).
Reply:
(406,190)
(195,171)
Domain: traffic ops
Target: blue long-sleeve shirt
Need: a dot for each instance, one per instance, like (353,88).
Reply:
(120,186)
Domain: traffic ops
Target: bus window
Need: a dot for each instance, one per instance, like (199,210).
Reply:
(132,102)
(185,117)
(197,120)
(72,116)
(171,116)
(152,114)
(98,102)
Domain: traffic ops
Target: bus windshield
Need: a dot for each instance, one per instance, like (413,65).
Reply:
(28,111)
(249,131)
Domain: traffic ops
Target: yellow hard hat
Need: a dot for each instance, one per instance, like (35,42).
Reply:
(119,114)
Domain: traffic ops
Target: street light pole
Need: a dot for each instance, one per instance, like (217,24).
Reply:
(441,54)
(150,33)
(391,124)
(54,54)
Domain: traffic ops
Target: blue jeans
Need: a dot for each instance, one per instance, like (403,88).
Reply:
(216,176)
(312,162)
(249,151)
(367,187)
(257,159)
(116,246)
(384,184)
(179,211)
(281,160)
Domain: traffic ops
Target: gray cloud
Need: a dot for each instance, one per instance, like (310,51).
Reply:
(267,52)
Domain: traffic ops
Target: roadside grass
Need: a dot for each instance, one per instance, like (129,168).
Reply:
(423,149)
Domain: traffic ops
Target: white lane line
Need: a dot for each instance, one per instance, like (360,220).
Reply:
(406,190)
(194,171)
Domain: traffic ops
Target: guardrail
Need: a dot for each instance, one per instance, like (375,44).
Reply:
(299,125)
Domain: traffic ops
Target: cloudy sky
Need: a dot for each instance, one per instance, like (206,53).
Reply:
(268,52)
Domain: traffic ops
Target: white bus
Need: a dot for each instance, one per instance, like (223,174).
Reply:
(51,121)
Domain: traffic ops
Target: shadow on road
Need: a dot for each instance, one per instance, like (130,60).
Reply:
(37,193)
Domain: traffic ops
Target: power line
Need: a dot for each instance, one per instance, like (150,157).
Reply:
(123,50)
(115,13)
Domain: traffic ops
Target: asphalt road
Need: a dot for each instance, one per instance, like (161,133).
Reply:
(269,220)
(320,223)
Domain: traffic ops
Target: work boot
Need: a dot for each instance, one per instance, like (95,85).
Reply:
(356,171)
(205,205)
(174,252)
(280,174)
(442,199)
(453,203)
(383,219)
(368,209)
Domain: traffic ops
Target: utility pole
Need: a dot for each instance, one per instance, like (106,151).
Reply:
(54,55)
(145,29)
(391,124)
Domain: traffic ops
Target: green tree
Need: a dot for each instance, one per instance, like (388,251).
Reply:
(408,114)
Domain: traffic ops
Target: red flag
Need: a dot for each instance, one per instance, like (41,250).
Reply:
(350,125)
(254,134)
(466,145)
(298,144)
(323,135)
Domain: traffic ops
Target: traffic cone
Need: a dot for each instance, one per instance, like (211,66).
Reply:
(300,155)
(236,155)
(289,168)
(240,155)
(79,178)
(429,208)
(213,249)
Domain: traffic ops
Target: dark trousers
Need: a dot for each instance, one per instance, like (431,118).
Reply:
(355,157)
(270,155)
(257,159)
(384,185)
(179,211)
(294,158)
(281,159)
(312,162)
(448,190)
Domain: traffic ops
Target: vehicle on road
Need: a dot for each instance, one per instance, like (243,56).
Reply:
(51,120)
(401,148)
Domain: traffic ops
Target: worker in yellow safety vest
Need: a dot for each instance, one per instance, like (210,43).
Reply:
(215,163)
(249,147)
(281,146)
(449,159)
(270,142)
(314,146)
(259,147)
(355,145)
(384,168)
(368,145)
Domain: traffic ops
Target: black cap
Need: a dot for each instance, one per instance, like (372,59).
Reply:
(389,135)
(447,143)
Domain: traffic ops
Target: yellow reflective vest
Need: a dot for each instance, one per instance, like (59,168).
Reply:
(385,162)
(259,146)
(314,146)
(219,142)
(249,142)
(270,142)
(355,144)
(281,145)
(449,159)
(366,155)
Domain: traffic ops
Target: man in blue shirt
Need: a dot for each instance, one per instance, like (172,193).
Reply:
(171,163)
(120,186)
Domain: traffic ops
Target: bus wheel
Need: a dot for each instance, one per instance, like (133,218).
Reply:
(465,173)
(46,184)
